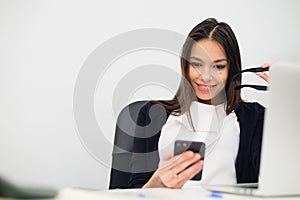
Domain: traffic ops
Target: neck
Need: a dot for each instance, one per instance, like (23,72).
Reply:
(215,101)
(204,101)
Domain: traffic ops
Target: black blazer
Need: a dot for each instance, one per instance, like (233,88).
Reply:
(250,117)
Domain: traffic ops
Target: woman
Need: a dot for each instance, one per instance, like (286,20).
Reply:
(206,105)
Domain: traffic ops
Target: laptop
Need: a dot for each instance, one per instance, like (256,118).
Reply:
(280,163)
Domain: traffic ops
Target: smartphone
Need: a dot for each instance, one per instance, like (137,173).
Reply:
(197,147)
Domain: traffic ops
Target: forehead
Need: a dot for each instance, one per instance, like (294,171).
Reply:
(208,50)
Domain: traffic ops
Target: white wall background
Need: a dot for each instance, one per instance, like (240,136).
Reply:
(43,45)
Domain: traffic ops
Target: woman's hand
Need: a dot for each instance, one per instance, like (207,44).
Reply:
(175,174)
(263,75)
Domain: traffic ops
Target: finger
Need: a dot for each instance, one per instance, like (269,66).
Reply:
(172,180)
(181,158)
(265,65)
(186,163)
(263,76)
(166,160)
(168,174)
(190,172)
(182,178)
(167,157)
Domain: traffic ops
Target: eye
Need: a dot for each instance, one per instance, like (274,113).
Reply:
(219,67)
(196,64)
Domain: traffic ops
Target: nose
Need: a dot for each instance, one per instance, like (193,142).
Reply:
(206,74)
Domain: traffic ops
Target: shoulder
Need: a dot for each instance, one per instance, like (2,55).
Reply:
(250,107)
(250,111)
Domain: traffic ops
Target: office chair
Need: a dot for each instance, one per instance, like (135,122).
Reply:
(124,145)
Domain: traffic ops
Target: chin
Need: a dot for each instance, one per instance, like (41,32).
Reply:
(205,97)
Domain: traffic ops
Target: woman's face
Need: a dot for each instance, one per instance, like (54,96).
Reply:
(208,70)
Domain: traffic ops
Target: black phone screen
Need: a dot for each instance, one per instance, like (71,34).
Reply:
(197,147)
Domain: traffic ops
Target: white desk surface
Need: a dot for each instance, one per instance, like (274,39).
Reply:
(153,193)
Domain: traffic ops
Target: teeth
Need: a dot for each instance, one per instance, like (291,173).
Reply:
(202,86)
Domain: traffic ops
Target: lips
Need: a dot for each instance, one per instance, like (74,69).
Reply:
(205,88)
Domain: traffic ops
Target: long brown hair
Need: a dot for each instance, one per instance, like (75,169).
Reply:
(185,95)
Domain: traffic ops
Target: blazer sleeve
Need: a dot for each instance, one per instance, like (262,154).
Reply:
(251,118)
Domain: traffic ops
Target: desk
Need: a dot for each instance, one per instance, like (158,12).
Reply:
(153,193)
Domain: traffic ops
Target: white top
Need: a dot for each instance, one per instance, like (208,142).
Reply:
(220,133)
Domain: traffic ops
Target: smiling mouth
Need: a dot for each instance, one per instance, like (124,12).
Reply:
(205,88)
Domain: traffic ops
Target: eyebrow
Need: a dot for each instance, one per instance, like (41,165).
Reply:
(195,58)
(215,61)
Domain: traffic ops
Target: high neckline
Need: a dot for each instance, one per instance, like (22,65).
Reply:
(209,105)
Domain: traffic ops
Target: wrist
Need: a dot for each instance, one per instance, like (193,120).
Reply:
(154,182)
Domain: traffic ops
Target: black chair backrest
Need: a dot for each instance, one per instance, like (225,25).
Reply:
(136,142)
(123,145)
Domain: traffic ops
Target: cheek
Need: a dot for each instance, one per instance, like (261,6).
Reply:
(191,73)
(223,77)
